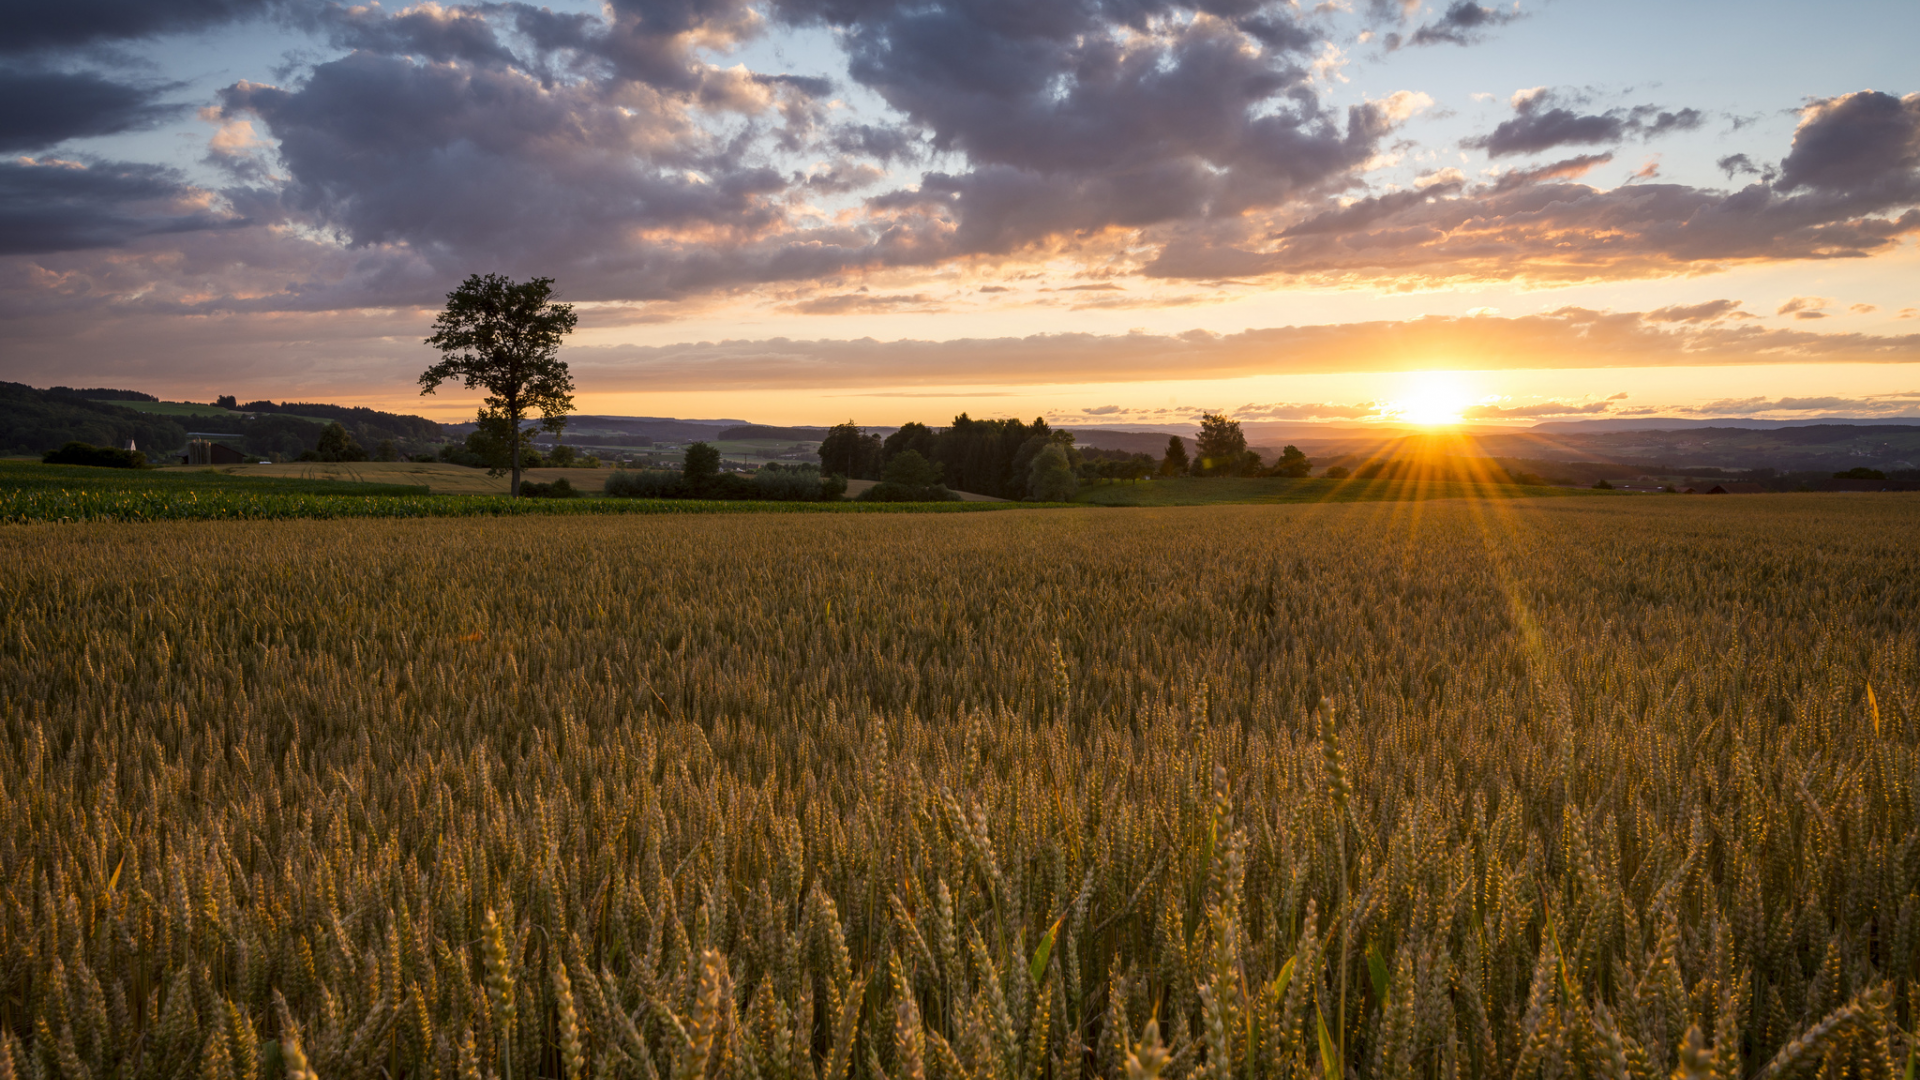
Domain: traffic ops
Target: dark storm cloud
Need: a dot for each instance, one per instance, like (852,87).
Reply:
(55,205)
(39,24)
(48,107)
(1540,122)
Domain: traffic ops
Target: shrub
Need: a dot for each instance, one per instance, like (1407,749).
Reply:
(1338,472)
(1860,472)
(336,445)
(645,484)
(1602,485)
(795,483)
(887,491)
(1050,478)
(559,489)
(1293,463)
(701,465)
(107,457)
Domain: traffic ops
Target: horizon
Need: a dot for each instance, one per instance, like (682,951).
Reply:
(1399,212)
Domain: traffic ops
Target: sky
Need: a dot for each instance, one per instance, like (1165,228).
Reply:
(1105,212)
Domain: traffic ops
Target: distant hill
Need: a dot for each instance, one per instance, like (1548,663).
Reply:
(763,431)
(1667,423)
(630,430)
(377,424)
(1133,442)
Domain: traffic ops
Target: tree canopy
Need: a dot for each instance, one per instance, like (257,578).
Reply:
(1175,463)
(504,337)
(1293,462)
(1222,449)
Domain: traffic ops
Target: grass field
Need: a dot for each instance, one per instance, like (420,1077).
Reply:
(1208,491)
(32,492)
(1609,787)
(436,477)
(18,475)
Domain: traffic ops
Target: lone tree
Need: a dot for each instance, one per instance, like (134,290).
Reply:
(1293,462)
(1221,446)
(505,336)
(1175,463)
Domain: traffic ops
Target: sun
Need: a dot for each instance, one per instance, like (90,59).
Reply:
(1433,398)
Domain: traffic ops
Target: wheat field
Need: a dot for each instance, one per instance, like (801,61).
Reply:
(1599,788)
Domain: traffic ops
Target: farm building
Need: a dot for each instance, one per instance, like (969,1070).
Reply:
(203,450)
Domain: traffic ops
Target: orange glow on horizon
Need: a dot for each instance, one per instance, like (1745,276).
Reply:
(1431,399)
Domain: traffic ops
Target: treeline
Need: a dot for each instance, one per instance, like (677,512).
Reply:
(987,457)
(700,478)
(366,425)
(1012,459)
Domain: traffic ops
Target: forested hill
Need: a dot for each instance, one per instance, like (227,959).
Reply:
(32,421)
(352,417)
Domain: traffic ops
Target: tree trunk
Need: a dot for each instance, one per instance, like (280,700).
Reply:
(515,445)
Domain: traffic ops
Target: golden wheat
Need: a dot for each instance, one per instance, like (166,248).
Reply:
(1614,788)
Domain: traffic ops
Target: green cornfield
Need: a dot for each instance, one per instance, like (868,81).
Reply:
(1604,787)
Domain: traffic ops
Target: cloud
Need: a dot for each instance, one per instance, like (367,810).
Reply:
(1860,146)
(468,162)
(1572,168)
(1073,120)
(1463,23)
(1710,311)
(372,352)
(50,204)
(1189,140)
(1863,309)
(1535,411)
(1876,405)
(1323,410)
(1565,232)
(861,303)
(48,107)
(427,30)
(1742,165)
(34,26)
(1541,123)
(1804,307)
(1567,338)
